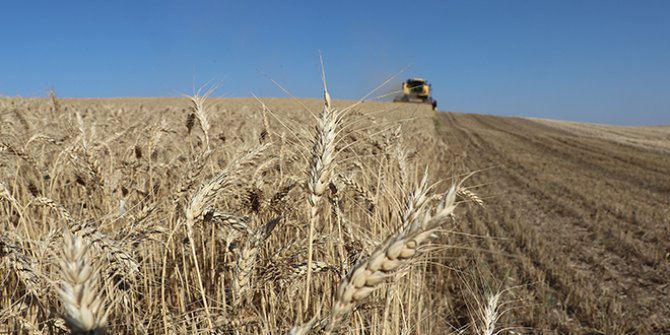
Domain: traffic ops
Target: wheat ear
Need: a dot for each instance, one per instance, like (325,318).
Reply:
(320,168)
(470,196)
(246,260)
(395,252)
(21,263)
(56,207)
(198,108)
(208,192)
(490,314)
(80,293)
(54,101)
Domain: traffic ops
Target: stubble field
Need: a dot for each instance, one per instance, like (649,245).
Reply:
(161,216)
(578,218)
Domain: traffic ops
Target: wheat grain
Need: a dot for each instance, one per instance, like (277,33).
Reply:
(27,326)
(43,138)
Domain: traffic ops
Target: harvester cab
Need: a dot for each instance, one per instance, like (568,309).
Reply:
(416,90)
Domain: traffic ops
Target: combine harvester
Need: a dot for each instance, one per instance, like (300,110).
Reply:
(416,90)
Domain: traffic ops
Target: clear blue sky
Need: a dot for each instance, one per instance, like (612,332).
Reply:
(603,61)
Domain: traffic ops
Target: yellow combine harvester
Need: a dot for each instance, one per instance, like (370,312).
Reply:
(416,90)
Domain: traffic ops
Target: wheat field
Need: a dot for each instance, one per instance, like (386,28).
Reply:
(295,216)
(237,216)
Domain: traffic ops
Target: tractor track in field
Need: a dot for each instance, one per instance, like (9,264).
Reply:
(589,214)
